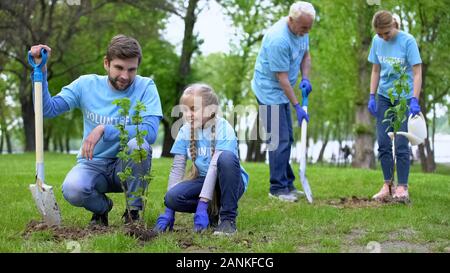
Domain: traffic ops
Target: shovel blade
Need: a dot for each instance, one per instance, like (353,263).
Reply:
(306,187)
(46,203)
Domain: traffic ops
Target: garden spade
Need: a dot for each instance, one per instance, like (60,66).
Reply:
(302,172)
(42,193)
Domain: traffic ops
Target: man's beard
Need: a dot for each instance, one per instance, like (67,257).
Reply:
(114,83)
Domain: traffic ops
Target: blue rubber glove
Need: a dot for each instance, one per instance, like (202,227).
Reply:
(201,219)
(165,221)
(301,114)
(414,107)
(306,85)
(372,105)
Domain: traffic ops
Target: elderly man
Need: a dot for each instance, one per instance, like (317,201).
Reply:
(283,54)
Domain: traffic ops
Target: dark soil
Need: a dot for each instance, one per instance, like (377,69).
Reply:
(138,231)
(61,233)
(357,202)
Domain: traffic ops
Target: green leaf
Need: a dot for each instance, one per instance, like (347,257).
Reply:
(140,107)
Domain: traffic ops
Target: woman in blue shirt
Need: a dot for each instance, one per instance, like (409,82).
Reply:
(392,46)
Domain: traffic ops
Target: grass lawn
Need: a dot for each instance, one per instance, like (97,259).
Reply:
(265,225)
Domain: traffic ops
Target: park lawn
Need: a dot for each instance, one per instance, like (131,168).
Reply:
(264,225)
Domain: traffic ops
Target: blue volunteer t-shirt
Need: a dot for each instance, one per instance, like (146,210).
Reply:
(281,51)
(403,50)
(93,95)
(225,140)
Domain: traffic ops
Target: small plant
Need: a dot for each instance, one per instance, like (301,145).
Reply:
(137,156)
(396,114)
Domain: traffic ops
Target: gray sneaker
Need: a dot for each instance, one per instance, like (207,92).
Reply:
(284,197)
(226,227)
(296,192)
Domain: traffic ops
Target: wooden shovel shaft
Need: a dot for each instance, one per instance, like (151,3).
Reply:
(39,131)
(303,140)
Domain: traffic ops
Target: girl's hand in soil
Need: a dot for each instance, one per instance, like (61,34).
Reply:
(201,219)
(165,221)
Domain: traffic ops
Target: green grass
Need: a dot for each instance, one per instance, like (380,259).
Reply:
(265,225)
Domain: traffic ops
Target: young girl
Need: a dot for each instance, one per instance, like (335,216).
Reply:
(392,46)
(210,142)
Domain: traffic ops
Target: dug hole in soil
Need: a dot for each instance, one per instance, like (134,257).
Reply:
(357,202)
(60,233)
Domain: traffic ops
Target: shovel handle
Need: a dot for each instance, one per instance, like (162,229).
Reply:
(37,68)
(39,130)
(303,137)
(304,98)
(38,114)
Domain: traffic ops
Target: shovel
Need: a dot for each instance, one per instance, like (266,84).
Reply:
(42,193)
(302,171)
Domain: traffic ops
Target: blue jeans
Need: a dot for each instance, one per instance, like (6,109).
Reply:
(281,174)
(385,145)
(86,184)
(184,196)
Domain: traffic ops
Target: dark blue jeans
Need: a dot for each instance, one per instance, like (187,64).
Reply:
(281,174)
(385,145)
(184,196)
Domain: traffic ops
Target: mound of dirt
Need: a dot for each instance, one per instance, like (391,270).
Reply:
(139,232)
(356,202)
(60,233)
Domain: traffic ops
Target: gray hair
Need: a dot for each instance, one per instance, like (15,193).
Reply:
(299,8)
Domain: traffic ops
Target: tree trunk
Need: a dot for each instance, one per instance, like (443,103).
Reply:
(27,110)
(47,134)
(60,144)
(426,153)
(189,45)
(324,144)
(260,156)
(2,128)
(184,69)
(1,141)
(254,153)
(364,155)
(252,144)
(67,143)
(322,151)
(168,140)
(55,144)
(364,138)
(8,142)
(251,147)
